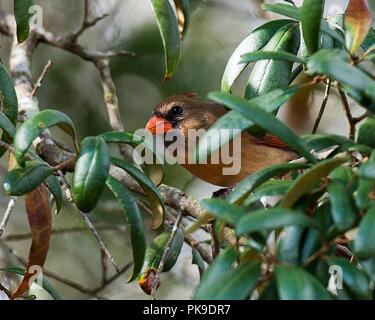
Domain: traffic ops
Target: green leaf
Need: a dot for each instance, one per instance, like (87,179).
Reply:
(254,41)
(362,194)
(293,283)
(46,285)
(156,170)
(369,41)
(364,243)
(22,180)
(284,9)
(358,21)
(273,55)
(35,125)
(246,186)
(7,125)
(268,75)
(369,267)
(319,142)
(53,186)
(134,221)
(90,173)
(311,15)
(354,279)
(366,133)
(367,170)
(310,179)
(154,254)
(264,119)
(22,15)
(223,210)
(9,105)
(268,219)
(270,102)
(288,248)
(271,188)
(168,27)
(222,263)
(234,284)
(343,210)
(197,259)
(156,202)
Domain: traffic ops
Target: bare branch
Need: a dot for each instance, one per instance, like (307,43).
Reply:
(362,117)
(7,214)
(5,290)
(348,114)
(164,257)
(323,106)
(39,82)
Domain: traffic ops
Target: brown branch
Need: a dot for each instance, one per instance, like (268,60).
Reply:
(68,192)
(362,117)
(164,257)
(7,214)
(348,114)
(323,106)
(5,290)
(39,82)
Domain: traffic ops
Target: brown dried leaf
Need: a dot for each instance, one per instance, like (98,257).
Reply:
(38,211)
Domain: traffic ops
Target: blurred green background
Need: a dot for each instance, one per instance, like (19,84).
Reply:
(73,86)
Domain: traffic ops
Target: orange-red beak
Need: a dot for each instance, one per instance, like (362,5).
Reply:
(158,125)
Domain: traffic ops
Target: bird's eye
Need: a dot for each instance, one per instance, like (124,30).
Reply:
(177,110)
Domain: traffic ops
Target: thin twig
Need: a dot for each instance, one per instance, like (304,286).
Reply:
(68,191)
(323,106)
(5,290)
(7,214)
(362,117)
(164,257)
(351,122)
(64,164)
(28,235)
(103,260)
(39,82)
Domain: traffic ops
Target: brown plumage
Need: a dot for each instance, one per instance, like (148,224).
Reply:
(183,112)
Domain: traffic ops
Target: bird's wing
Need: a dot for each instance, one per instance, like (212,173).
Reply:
(271,140)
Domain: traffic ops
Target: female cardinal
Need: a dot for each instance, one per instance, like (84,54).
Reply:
(183,113)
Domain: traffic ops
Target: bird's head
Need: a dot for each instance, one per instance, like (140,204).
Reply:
(183,112)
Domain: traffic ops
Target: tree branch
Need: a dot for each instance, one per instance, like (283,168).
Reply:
(323,106)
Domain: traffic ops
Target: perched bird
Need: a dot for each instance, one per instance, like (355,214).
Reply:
(184,112)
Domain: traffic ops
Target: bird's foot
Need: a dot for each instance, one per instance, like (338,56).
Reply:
(224,192)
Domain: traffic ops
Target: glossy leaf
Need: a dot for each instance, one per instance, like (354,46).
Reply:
(270,102)
(156,202)
(310,179)
(354,279)
(311,15)
(246,186)
(134,221)
(53,186)
(362,194)
(254,41)
(223,210)
(273,55)
(268,219)
(183,15)
(288,248)
(364,243)
(197,259)
(156,170)
(268,75)
(293,283)
(22,15)
(358,21)
(319,142)
(168,27)
(35,125)
(21,180)
(10,107)
(90,173)
(234,284)
(46,285)
(222,263)
(271,188)
(366,133)
(39,216)
(154,254)
(367,170)
(343,210)
(264,119)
